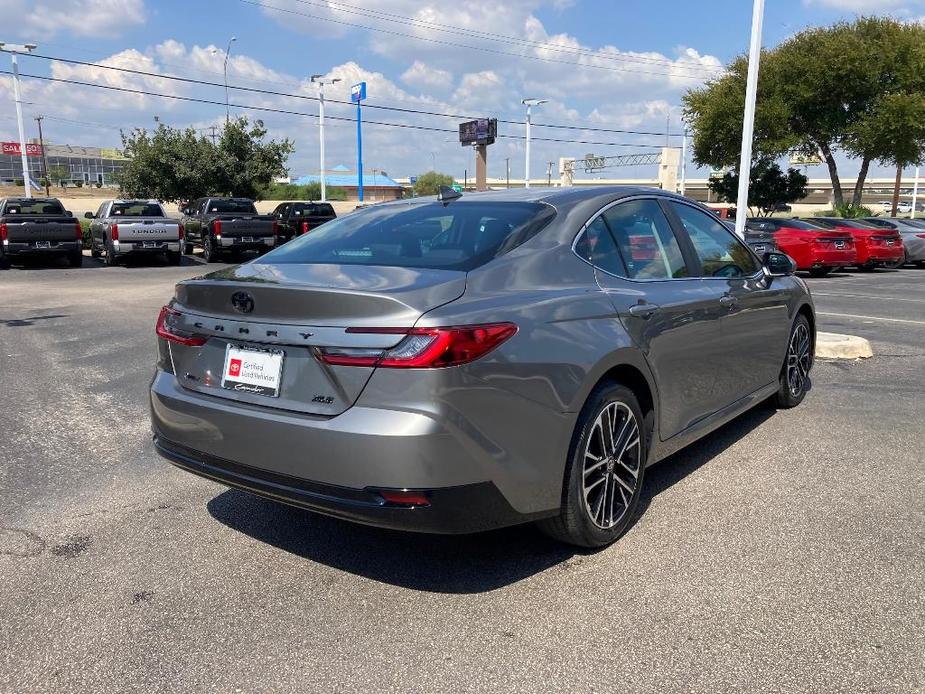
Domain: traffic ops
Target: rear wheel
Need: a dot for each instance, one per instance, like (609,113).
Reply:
(110,257)
(895,264)
(173,258)
(75,259)
(4,262)
(605,470)
(94,251)
(187,249)
(794,376)
(819,271)
(867,267)
(209,252)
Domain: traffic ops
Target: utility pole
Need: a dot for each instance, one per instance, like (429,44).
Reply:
(683,161)
(915,192)
(13,50)
(748,122)
(549,173)
(320,82)
(529,103)
(507,165)
(212,127)
(39,119)
(227,51)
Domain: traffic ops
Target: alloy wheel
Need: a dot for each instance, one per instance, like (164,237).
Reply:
(612,458)
(798,359)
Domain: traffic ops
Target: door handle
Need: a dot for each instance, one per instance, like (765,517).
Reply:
(728,301)
(643,310)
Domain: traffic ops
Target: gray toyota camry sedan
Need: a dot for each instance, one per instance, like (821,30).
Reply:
(455,364)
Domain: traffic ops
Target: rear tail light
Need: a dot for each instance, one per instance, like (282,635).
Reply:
(275,228)
(423,348)
(304,227)
(181,231)
(405,498)
(166,329)
(217,228)
(115,232)
(3,233)
(79,230)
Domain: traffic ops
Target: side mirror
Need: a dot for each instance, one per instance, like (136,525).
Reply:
(778,264)
(68,213)
(88,215)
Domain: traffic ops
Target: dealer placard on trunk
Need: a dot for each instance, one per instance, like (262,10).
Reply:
(252,370)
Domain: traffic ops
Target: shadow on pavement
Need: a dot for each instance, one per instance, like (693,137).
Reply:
(22,322)
(444,563)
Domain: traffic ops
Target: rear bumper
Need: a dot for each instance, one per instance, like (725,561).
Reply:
(462,509)
(333,464)
(126,247)
(55,247)
(232,242)
(832,258)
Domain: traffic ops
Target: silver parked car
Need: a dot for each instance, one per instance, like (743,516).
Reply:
(464,363)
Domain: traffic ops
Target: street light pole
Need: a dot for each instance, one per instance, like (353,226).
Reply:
(529,103)
(683,161)
(915,192)
(13,50)
(320,82)
(38,119)
(748,122)
(227,51)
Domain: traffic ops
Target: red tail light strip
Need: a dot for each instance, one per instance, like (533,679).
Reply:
(423,348)
(165,331)
(114,232)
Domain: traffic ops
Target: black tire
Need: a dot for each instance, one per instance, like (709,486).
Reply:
(4,262)
(187,249)
(920,263)
(209,253)
(895,264)
(94,251)
(867,267)
(591,469)
(799,356)
(75,259)
(819,271)
(110,258)
(173,258)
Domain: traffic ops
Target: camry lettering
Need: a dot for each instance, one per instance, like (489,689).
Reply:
(306,335)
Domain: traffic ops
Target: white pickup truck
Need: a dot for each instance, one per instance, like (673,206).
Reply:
(121,227)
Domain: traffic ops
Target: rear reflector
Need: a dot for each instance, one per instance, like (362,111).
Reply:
(79,230)
(304,227)
(405,498)
(275,228)
(423,348)
(217,228)
(3,233)
(165,330)
(115,232)
(182,232)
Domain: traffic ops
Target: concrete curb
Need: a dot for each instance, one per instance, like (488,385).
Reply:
(835,346)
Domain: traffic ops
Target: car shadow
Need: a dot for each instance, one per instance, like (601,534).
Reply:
(462,564)
(23,322)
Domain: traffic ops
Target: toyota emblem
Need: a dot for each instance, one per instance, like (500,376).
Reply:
(243,302)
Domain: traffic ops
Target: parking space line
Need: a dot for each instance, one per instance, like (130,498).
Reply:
(868,296)
(851,315)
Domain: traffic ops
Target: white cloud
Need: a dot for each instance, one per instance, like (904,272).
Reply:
(868,6)
(45,18)
(423,76)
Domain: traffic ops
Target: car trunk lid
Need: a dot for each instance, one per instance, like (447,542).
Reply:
(292,310)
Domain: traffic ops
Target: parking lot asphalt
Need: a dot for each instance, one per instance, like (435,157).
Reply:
(783,553)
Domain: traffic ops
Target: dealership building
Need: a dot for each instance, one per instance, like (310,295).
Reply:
(89,165)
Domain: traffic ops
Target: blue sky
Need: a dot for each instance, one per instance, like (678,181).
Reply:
(618,64)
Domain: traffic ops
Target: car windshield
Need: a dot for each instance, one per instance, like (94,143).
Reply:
(136,209)
(310,208)
(458,236)
(231,206)
(33,207)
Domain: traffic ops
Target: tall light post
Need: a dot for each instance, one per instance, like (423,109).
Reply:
(748,122)
(14,49)
(529,103)
(321,82)
(227,52)
(915,193)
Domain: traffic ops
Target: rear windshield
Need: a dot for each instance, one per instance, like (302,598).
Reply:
(136,209)
(849,223)
(460,236)
(231,206)
(33,207)
(311,208)
(774,225)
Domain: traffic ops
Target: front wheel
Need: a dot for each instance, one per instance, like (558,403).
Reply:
(605,470)
(794,376)
(209,252)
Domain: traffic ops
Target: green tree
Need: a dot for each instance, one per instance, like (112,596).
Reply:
(58,173)
(821,90)
(429,183)
(768,186)
(173,164)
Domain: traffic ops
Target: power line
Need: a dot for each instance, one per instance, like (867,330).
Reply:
(267,109)
(307,97)
(492,36)
(260,3)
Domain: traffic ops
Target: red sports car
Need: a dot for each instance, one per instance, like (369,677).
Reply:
(814,248)
(876,246)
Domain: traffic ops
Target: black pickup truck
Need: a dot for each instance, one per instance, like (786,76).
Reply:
(226,226)
(297,218)
(39,226)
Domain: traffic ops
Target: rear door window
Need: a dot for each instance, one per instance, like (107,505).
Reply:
(645,240)
(460,236)
(721,253)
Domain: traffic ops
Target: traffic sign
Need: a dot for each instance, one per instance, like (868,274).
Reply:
(358,92)
(413,179)
(457,187)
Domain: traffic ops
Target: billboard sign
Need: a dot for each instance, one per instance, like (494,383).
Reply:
(358,92)
(14,148)
(801,159)
(481,131)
